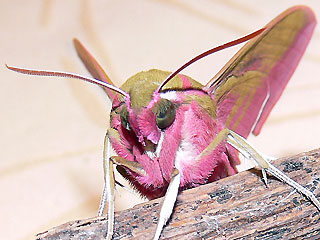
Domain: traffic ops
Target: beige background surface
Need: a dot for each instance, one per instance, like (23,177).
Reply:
(52,129)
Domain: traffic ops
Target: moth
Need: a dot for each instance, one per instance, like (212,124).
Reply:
(172,133)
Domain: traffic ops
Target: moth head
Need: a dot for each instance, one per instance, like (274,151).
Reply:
(149,112)
(164,112)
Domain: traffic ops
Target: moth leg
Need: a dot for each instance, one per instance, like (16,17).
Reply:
(168,202)
(108,189)
(247,150)
(108,194)
(133,166)
(123,187)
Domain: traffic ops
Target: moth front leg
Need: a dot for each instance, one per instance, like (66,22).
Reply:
(247,150)
(108,189)
(108,194)
(168,202)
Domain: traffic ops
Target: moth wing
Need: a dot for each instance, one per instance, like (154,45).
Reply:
(93,66)
(248,86)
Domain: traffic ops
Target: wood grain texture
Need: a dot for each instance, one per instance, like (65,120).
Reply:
(237,207)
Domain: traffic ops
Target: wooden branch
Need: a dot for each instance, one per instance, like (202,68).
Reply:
(237,207)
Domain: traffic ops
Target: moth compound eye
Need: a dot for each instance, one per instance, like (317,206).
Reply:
(165,113)
(124,117)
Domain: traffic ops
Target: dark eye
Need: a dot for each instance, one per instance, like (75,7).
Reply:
(165,113)
(124,116)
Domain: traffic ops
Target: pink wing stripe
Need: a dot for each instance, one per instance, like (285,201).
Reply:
(283,70)
(185,82)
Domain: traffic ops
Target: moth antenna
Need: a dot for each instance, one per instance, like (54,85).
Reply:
(209,52)
(68,75)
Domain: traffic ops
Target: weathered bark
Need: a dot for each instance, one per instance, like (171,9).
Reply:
(237,207)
